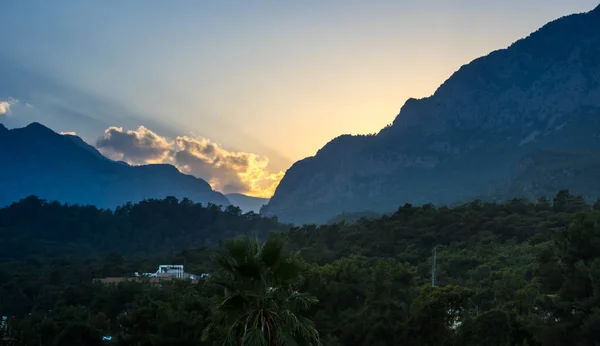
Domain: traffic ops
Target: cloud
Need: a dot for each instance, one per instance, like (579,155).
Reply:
(140,146)
(226,171)
(70,133)
(5,105)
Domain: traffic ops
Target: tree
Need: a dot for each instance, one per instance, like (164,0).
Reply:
(73,325)
(362,301)
(436,313)
(574,274)
(260,303)
(389,291)
(566,202)
(174,313)
(492,328)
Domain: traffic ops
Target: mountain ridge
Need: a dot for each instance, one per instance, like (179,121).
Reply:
(44,163)
(466,139)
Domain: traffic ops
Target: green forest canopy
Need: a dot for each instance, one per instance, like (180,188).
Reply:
(513,273)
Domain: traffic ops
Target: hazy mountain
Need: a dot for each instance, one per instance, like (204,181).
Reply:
(468,138)
(246,203)
(38,161)
(545,172)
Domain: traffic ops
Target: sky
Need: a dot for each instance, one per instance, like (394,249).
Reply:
(234,92)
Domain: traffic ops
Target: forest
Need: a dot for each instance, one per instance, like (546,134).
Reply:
(512,273)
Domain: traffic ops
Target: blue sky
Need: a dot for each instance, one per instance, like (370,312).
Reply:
(266,81)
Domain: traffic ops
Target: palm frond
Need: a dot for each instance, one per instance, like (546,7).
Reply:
(224,262)
(271,251)
(307,331)
(289,272)
(223,283)
(301,301)
(285,338)
(238,249)
(260,301)
(206,333)
(249,270)
(254,337)
(230,302)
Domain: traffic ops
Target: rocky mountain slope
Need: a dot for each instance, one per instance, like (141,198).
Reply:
(468,138)
(546,172)
(38,161)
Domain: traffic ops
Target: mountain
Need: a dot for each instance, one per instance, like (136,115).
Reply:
(468,138)
(38,161)
(545,172)
(246,203)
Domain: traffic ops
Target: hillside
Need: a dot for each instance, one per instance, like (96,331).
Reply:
(468,138)
(545,172)
(38,161)
(37,228)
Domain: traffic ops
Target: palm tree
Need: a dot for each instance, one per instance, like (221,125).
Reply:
(259,303)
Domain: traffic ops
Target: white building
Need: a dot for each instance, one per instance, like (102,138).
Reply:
(173,271)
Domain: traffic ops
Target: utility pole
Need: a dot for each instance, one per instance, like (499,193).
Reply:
(433,266)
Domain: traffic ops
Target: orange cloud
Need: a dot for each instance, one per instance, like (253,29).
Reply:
(69,133)
(226,171)
(5,105)
(140,146)
(233,171)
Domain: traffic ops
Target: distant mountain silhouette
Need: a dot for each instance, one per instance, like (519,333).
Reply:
(467,139)
(246,203)
(38,161)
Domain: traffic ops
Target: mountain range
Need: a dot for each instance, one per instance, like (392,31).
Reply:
(38,161)
(518,122)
